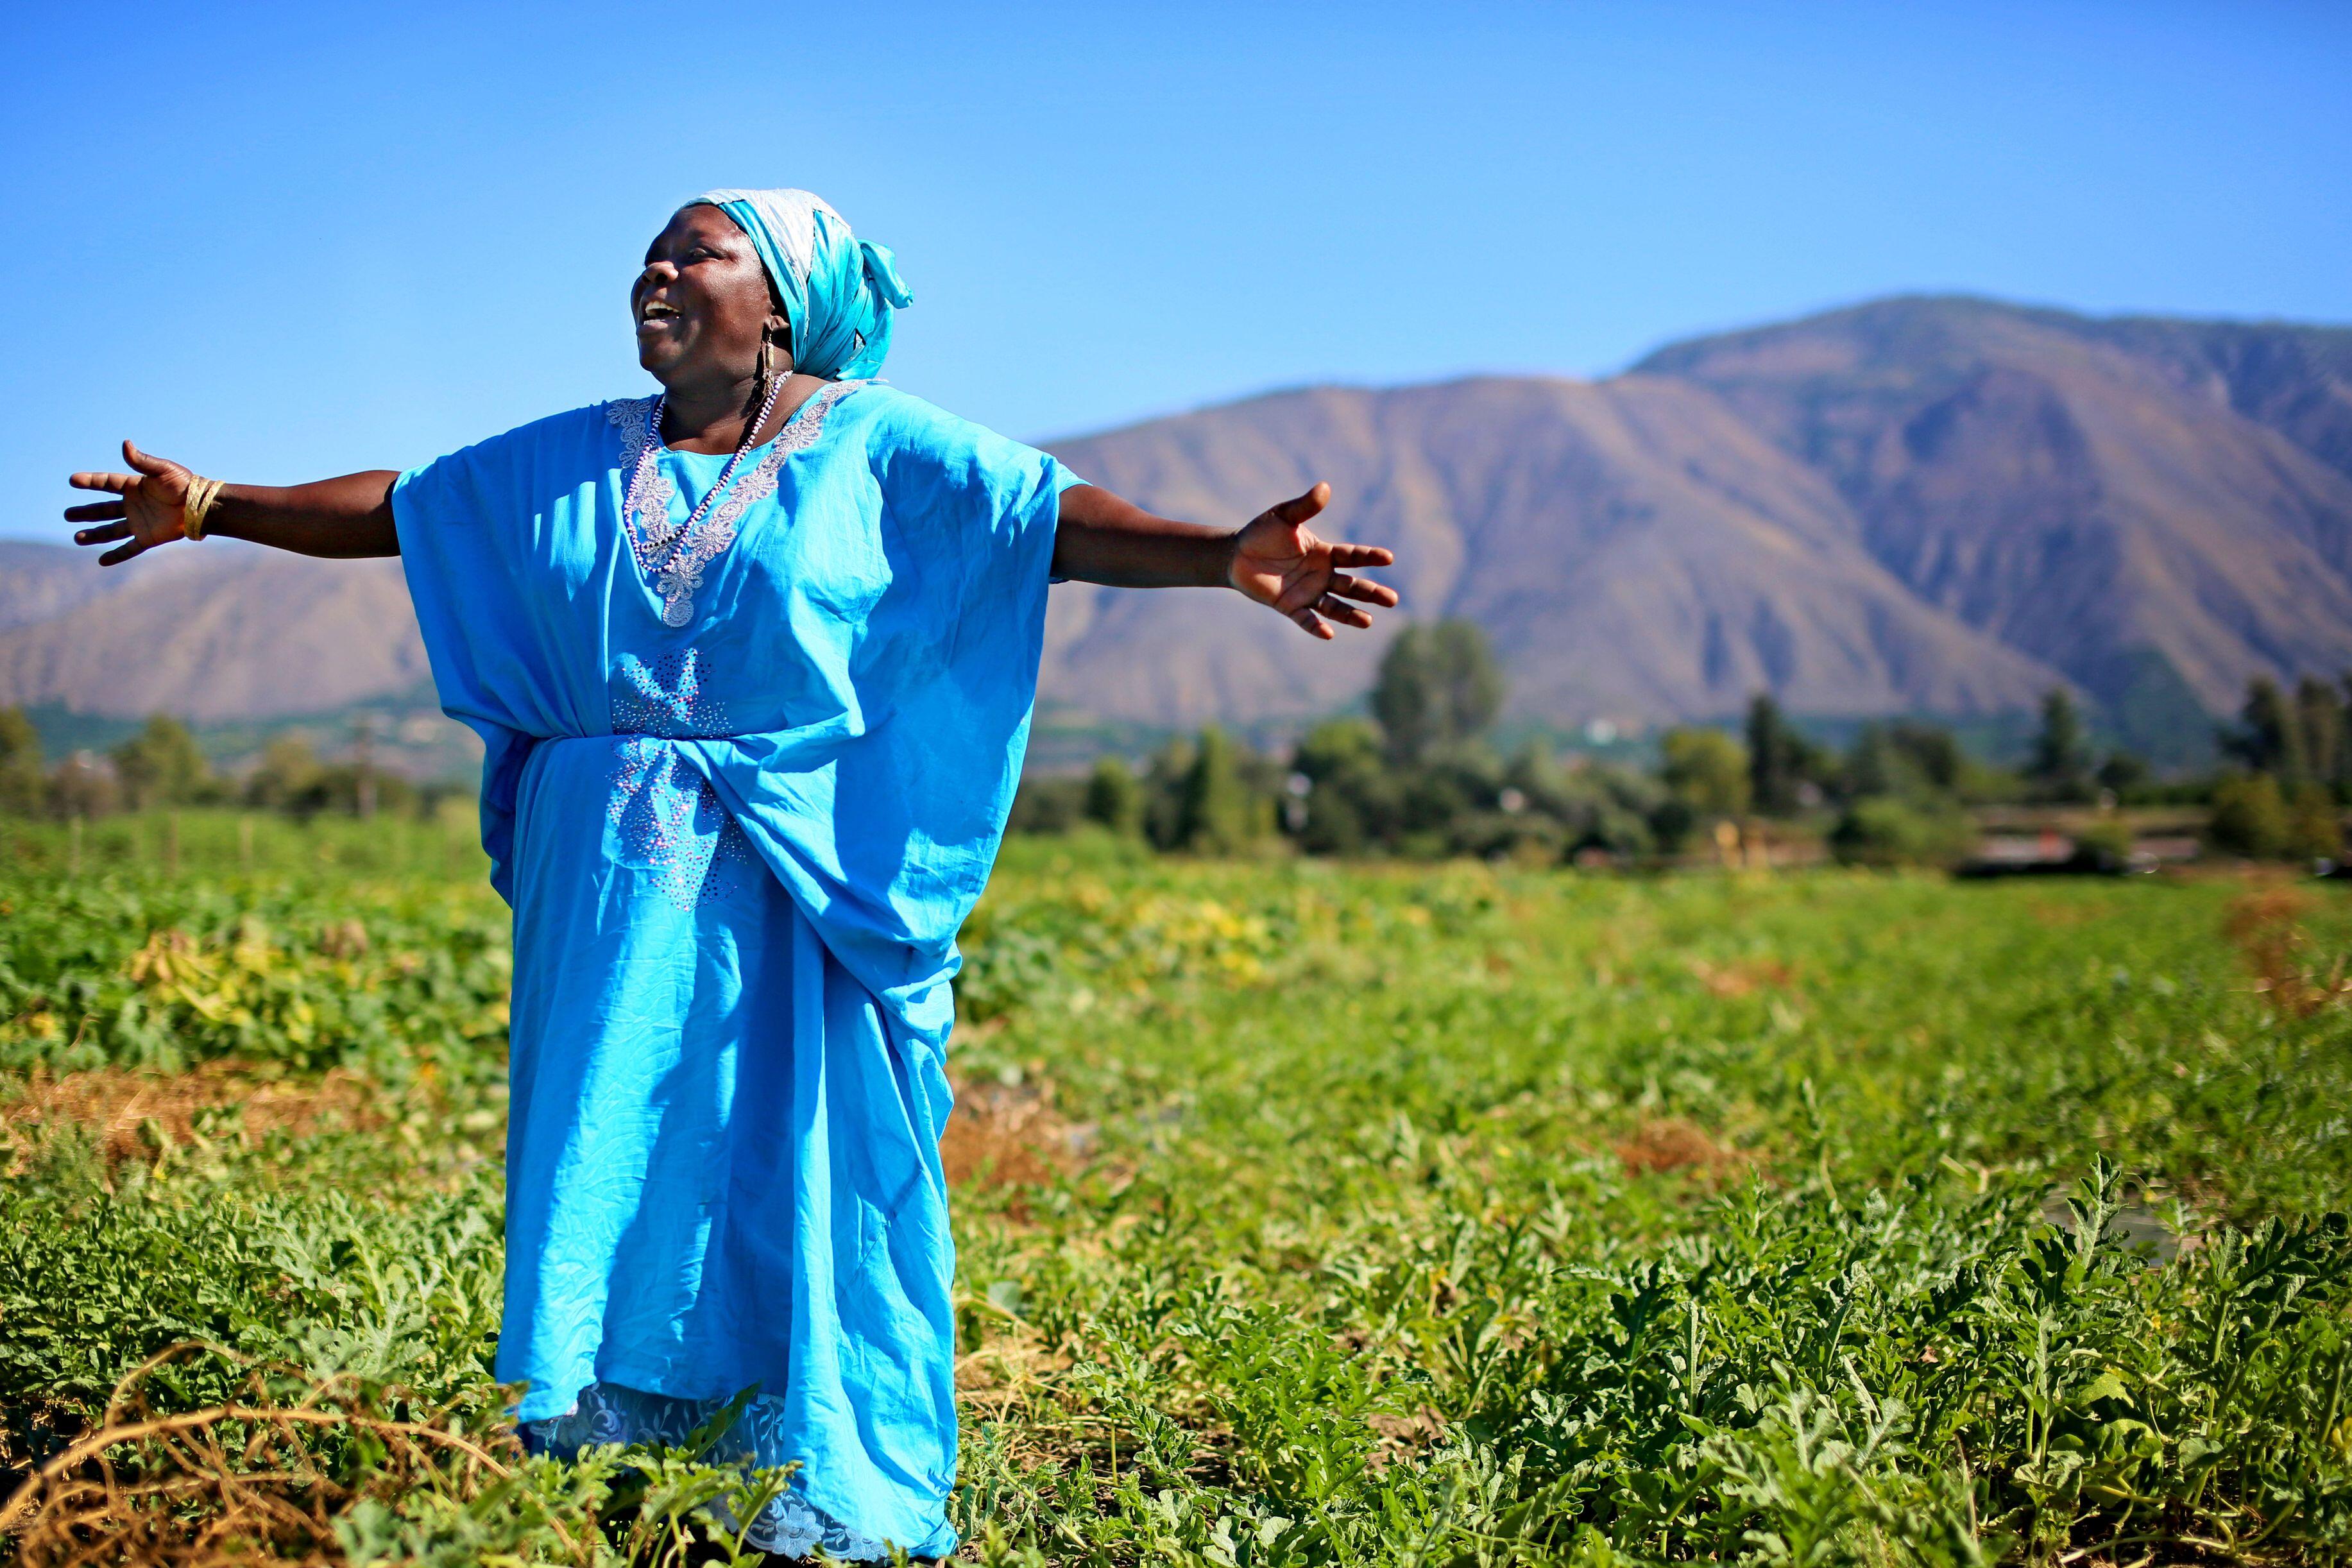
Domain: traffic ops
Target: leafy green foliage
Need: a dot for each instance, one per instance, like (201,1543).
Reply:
(2314,824)
(2270,735)
(1706,770)
(161,764)
(1438,689)
(1441,1215)
(149,971)
(20,763)
(1216,811)
(2249,816)
(2061,762)
(1881,830)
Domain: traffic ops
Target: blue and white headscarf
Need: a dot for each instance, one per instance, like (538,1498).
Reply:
(838,290)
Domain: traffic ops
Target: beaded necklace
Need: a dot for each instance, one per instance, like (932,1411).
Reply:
(669,543)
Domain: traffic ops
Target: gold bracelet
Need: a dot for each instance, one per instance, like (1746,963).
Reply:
(202,494)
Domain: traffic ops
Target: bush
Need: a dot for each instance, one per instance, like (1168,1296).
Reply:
(1115,797)
(1882,831)
(1354,801)
(2105,845)
(2314,824)
(2249,817)
(20,763)
(1707,770)
(161,765)
(1523,837)
(1217,812)
(1047,804)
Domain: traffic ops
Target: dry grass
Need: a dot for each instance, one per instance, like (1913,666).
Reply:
(1009,1136)
(137,1116)
(1670,1144)
(1745,977)
(239,1482)
(999,1136)
(2266,924)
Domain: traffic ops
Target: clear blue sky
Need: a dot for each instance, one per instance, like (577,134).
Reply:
(280,241)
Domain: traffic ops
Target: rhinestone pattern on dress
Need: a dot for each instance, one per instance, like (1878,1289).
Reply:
(668,815)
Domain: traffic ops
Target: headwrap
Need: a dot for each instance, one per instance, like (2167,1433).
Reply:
(838,290)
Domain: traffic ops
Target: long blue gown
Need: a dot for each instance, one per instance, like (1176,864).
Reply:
(740,789)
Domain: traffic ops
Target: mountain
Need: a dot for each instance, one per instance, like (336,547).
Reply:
(1915,505)
(42,581)
(214,635)
(2158,508)
(1632,548)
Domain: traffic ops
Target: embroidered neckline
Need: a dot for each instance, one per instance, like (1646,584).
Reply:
(676,565)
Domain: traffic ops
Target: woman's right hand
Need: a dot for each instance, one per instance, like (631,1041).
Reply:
(151,511)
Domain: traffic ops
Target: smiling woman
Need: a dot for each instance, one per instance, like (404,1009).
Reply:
(754,661)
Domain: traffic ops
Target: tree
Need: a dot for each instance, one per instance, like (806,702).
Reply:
(1353,800)
(2061,763)
(161,765)
(1218,815)
(1706,770)
(2314,824)
(81,787)
(1043,803)
(2249,816)
(1874,766)
(288,771)
(1932,752)
(2343,780)
(1114,797)
(1882,831)
(20,763)
(2123,771)
(1163,792)
(2319,716)
(1775,758)
(2269,737)
(1438,688)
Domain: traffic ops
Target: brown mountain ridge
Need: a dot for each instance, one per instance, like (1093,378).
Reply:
(1917,505)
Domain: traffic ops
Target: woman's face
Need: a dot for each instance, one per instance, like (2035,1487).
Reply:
(701,303)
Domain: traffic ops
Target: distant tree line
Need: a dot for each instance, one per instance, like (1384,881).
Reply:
(1421,776)
(2285,798)
(161,765)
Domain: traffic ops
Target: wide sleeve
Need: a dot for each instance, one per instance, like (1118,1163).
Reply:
(473,529)
(985,508)
(966,521)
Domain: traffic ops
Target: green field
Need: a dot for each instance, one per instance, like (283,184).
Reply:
(1309,1214)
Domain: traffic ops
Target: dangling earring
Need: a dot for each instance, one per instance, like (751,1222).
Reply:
(767,375)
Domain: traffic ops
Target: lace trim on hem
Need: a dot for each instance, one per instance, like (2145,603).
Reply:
(789,1525)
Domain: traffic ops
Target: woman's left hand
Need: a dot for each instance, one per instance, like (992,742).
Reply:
(1281,563)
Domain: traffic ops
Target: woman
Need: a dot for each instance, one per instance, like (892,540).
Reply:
(753,662)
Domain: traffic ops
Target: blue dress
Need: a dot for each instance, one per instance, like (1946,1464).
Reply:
(741,788)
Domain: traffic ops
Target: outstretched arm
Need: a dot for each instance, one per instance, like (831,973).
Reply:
(1274,559)
(350,516)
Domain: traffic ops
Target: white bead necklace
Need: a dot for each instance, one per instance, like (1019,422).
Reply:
(667,543)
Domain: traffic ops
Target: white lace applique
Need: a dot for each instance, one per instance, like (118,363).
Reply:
(789,1526)
(677,565)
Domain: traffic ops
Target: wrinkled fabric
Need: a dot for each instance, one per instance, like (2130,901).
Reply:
(739,851)
(838,290)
